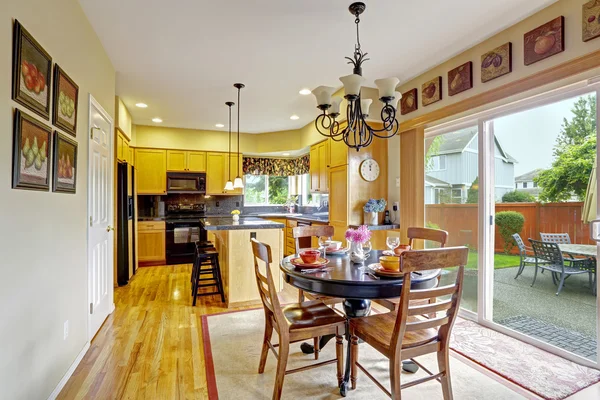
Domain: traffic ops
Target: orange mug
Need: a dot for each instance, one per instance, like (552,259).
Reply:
(401,249)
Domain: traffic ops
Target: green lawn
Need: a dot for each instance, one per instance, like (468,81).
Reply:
(500,261)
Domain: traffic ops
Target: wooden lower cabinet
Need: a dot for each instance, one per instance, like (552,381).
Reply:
(151,242)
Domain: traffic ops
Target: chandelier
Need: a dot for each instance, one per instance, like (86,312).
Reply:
(358,133)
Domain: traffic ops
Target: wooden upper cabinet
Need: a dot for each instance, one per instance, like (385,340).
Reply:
(216,171)
(319,163)
(314,168)
(338,198)
(131,156)
(186,161)
(338,153)
(152,171)
(122,150)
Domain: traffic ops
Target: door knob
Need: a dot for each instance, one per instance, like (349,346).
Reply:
(109,228)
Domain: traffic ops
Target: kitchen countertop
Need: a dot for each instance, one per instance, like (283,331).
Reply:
(298,217)
(226,223)
(378,227)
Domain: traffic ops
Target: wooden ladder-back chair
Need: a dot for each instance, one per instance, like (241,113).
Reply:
(300,232)
(415,233)
(406,334)
(293,323)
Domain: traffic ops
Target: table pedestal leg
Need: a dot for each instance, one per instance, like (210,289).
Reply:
(352,309)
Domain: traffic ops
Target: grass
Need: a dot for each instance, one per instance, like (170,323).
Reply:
(500,261)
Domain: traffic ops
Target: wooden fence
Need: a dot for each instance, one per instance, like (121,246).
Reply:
(460,220)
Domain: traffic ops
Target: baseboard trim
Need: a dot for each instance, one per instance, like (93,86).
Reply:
(69,372)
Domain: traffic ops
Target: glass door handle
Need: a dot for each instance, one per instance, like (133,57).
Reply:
(595,230)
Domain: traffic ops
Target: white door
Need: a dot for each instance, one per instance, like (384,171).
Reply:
(101,233)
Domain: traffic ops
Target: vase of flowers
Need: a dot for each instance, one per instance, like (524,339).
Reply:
(372,209)
(236,215)
(357,237)
(291,203)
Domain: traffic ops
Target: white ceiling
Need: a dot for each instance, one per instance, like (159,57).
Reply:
(181,57)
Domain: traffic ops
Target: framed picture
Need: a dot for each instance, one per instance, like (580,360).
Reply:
(431,91)
(496,63)
(31,152)
(590,20)
(408,102)
(460,78)
(32,68)
(64,164)
(66,94)
(545,41)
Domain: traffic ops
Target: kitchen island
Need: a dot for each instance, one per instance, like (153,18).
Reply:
(232,241)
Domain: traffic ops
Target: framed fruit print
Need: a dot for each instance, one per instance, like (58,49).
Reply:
(590,20)
(66,94)
(460,78)
(408,102)
(545,41)
(31,153)
(431,91)
(64,165)
(496,63)
(32,69)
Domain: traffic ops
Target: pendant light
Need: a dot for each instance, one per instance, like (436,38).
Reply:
(229,184)
(238,183)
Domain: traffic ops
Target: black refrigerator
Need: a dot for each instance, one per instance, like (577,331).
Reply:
(125,223)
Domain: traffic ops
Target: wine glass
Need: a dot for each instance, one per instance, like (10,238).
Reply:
(324,242)
(367,247)
(392,242)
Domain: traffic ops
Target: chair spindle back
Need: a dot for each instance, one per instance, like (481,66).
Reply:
(433,235)
(310,231)
(266,286)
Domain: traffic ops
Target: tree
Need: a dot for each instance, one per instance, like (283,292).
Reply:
(574,155)
(517,197)
(473,192)
(432,150)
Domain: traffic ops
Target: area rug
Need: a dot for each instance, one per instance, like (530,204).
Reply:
(547,375)
(232,343)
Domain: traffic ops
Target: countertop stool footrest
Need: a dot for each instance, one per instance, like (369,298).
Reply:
(206,268)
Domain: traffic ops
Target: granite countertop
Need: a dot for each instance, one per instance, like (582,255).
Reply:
(227,223)
(378,227)
(297,217)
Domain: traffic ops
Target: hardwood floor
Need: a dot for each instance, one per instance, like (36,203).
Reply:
(151,346)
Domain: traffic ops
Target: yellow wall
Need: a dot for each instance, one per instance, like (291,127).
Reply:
(44,240)
(123,118)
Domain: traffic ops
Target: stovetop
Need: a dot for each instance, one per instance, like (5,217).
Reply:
(185,212)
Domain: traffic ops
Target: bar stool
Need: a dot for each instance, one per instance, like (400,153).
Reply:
(206,263)
(205,245)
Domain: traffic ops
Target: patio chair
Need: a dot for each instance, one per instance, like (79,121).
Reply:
(560,238)
(524,252)
(548,256)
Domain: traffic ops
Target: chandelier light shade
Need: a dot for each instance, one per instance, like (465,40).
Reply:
(229,184)
(238,183)
(358,133)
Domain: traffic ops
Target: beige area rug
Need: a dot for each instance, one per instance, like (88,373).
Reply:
(232,348)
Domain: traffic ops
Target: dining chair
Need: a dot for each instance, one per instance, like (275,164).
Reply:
(416,233)
(525,254)
(300,232)
(293,323)
(406,334)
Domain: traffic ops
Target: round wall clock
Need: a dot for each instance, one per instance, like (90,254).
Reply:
(369,170)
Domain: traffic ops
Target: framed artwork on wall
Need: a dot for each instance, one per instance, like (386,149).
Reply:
(496,63)
(64,165)
(431,91)
(544,41)
(590,23)
(66,94)
(460,78)
(32,68)
(31,151)
(409,102)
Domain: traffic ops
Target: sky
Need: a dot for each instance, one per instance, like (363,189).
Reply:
(529,136)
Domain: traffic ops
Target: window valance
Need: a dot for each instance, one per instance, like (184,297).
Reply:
(277,166)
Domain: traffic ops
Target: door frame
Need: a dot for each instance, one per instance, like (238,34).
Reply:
(93,103)
(486,207)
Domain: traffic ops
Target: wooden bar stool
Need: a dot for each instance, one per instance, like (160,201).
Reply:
(206,269)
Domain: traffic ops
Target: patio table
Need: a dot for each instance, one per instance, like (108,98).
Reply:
(586,250)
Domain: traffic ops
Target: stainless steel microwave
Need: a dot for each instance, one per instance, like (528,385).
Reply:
(186,182)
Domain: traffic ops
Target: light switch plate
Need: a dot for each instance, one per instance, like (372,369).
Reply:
(397,181)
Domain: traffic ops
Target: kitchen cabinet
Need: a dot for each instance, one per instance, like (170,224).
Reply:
(338,200)
(151,242)
(186,161)
(131,156)
(217,173)
(319,163)
(338,153)
(122,148)
(151,165)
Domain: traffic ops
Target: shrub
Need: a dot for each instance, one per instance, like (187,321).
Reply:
(517,197)
(509,223)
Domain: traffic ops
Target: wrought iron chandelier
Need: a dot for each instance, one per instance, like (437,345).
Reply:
(358,133)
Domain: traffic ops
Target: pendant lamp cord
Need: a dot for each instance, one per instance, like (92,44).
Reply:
(238,131)
(229,158)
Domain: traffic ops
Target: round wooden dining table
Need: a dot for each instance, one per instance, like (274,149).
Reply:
(344,279)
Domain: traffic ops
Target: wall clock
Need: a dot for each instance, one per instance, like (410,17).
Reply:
(369,170)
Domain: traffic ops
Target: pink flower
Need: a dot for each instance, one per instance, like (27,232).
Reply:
(360,235)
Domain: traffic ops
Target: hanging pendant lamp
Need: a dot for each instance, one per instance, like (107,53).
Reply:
(238,183)
(229,184)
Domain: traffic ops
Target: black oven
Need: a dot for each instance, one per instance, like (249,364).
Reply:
(181,237)
(186,182)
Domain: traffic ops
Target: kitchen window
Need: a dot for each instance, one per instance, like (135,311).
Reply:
(265,190)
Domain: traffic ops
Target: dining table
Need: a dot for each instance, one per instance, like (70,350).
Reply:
(356,284)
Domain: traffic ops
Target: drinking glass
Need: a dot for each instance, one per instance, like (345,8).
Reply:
(367,247)
(324,242)
(392,242)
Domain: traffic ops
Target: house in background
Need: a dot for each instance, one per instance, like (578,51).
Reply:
(526,183)
(453,166)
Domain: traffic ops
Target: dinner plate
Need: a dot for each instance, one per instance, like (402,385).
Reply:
(341,251)
(378,270)
(297,262)
(389,253)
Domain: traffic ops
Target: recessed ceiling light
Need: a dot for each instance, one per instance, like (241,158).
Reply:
(141,105)
(157,120)
(294,117)
(285,154)
(219,125)
(305,92)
